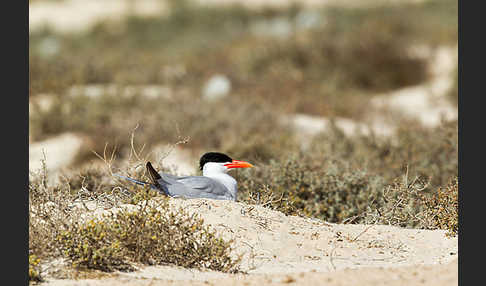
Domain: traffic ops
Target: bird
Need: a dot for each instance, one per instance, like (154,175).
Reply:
(215,182)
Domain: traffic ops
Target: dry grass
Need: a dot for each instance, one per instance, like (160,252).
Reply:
(313,187)
(407,205)
(65,221)
(426,152)
(150,234)
(340,178)
(402,204)
(443,208)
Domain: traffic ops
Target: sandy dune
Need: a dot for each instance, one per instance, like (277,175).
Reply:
(445,275)
(279,249)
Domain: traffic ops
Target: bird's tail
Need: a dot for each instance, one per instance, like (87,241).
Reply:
(154,175)
(141,183)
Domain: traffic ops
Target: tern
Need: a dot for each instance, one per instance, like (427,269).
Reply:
(215,182)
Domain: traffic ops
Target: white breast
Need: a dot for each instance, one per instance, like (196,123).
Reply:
(218,172)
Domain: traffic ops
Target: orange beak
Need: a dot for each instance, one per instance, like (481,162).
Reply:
(238,164)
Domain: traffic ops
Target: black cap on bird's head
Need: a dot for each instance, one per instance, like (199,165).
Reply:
(215,157)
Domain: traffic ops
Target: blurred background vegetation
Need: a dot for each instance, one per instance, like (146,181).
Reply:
(224,76)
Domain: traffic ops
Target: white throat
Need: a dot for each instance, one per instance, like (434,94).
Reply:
(218,172)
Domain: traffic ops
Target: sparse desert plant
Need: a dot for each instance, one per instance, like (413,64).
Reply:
(401,204)
(442,207)
(149,234)
(328,181)
(266,197)
(49,213)
(311,186)
(424,152)
(140,228)
(34,269)
(405,203)
(90,178)
(92,245)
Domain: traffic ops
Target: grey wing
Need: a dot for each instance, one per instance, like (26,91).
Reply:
(195,187)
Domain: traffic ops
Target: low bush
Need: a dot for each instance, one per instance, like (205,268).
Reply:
(34,269)
(150,234)
(339,176)
(312,186)
(145,231)
(406,204)
(401,204)
(334,192)
(49,214)
(424,152)
(442,208)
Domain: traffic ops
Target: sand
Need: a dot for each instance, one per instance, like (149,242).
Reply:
(279,249)
(444,275)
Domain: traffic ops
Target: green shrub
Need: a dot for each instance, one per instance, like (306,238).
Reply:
(92,245)
(406,204)
(148,232)
(401,204)
(343,179)
(424,152)
(151,234)
(310,186)
(34,269)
